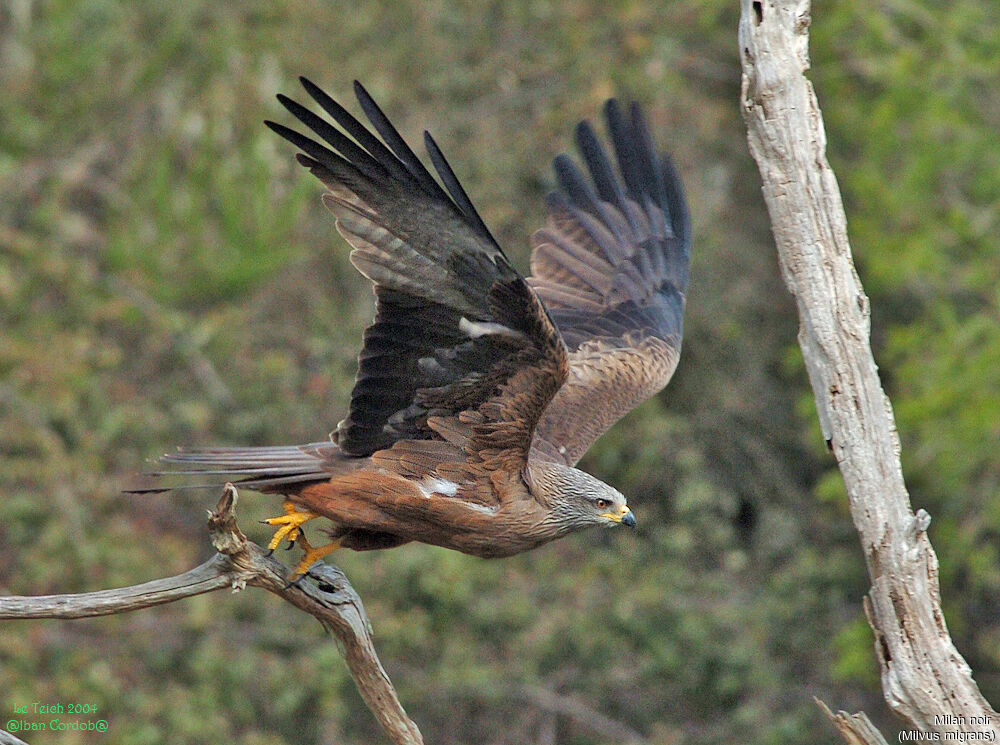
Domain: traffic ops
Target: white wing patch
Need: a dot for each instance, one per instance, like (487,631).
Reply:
(431,485)
(475,329)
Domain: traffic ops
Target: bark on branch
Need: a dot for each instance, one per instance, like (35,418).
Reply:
(924,678)
(238,563)
(6,738)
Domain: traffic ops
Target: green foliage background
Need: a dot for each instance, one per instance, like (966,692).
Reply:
(168,276)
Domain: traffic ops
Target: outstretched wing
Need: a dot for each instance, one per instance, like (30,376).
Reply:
(611,266)
(461,351)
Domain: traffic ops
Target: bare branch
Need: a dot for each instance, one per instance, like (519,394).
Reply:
(856,729)
(239,563)
(209,576)
(6,738)
(924,678)
(337,606)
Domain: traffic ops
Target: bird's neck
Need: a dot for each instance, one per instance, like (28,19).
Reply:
(556,486)
(548,482)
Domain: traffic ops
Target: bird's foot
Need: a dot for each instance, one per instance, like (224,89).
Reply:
(312,555)
(290,525)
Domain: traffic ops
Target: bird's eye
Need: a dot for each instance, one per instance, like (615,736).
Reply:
(602,504)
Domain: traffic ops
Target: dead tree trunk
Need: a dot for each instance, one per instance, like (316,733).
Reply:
(924,678)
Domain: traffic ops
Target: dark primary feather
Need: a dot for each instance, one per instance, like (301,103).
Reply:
(455,326)
(462,359)
(611,266)
(395,141)
(454,187)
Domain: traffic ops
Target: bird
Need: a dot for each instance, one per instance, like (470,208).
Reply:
(478,389)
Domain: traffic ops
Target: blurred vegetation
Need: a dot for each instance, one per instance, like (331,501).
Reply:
(168,276)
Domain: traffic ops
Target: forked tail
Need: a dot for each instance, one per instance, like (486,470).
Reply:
(268,469)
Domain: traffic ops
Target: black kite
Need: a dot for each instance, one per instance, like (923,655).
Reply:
(478,390)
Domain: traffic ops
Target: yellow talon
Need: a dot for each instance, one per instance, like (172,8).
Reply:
(291,523)
(312,555)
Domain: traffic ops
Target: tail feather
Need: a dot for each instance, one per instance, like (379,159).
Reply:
(268,469)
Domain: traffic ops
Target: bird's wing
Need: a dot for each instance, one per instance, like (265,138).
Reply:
(611,266)
(461,350)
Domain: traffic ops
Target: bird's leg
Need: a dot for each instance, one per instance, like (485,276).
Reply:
(290,525)
(312,555)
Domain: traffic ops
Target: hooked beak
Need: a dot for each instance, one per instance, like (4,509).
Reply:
(625,517)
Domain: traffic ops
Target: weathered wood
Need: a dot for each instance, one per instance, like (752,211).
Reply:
(333,601)
(240,563)
(856,729)
(924,678)
(6,738)
(209,576)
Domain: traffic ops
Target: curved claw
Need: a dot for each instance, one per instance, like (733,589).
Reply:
(290,525)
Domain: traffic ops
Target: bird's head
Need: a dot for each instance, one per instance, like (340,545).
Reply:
(577,499)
